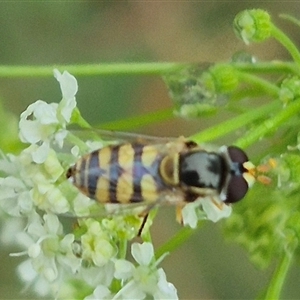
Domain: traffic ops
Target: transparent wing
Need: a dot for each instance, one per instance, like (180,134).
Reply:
(109,135)
(90,208)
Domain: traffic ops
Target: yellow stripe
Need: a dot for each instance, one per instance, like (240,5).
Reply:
(104,157)
(125,181)
(102,191)
(126,156)
(148,188)
(125,188)
(149,155)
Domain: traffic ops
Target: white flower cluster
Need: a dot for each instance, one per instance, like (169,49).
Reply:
(88,259)
(85,260)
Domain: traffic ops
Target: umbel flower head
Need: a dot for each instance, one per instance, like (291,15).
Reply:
(85,259)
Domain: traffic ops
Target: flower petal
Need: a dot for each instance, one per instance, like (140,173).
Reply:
(142,253)
(68,84)
(215,212)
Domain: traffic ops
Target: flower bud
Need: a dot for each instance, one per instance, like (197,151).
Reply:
(253,25)
(220,78)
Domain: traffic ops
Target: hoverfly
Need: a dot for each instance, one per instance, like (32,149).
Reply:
(153,171)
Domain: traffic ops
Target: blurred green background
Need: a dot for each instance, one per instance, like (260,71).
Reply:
(77,32)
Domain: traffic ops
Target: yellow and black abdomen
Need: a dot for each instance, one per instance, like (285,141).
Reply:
(124,173)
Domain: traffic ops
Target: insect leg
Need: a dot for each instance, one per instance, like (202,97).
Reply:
(179,208)
(143,224)
(144,214)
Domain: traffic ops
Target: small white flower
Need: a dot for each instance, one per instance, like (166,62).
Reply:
(60,137)
(26,271)
(66,257)
(215,210)
(190,214)
(30,276)
(52,166)
(38,122)
(212,209)
(41,153)
(145,279)
(123,269)
(100,292)
(34,250)
(44,123)
(14,197)
(8,164)
(68,85)
(48,251)
(9,229)
(82,205)
(95,276)
(142,253)
(166,290)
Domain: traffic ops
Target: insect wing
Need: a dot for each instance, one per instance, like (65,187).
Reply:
(118,136)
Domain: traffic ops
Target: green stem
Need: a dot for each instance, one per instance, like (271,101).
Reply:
(177,240)
(282,38)
(136,68)
(115,285)
(148,68)
(269,88)
(234,123)
(79,120)
(290,18)
(268,67)
(138,121)
(75,140)
(269,125)
(279,276)
(92,69)
(122,249)
(243,93)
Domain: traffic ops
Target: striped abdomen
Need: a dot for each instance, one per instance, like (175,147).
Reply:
(124,173)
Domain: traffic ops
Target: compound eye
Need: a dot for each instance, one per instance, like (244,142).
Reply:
(237,189)
(237,155)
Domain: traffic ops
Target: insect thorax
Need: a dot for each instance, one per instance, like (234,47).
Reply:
(202,172)
(197,172)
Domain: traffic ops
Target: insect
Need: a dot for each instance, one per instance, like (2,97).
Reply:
(154,171)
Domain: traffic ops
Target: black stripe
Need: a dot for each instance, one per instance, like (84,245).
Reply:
(114,173)
(93,173)
(137,178)
(82,174)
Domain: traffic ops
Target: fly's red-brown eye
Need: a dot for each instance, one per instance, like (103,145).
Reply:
(237,155)
(237,189)
(237,186)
